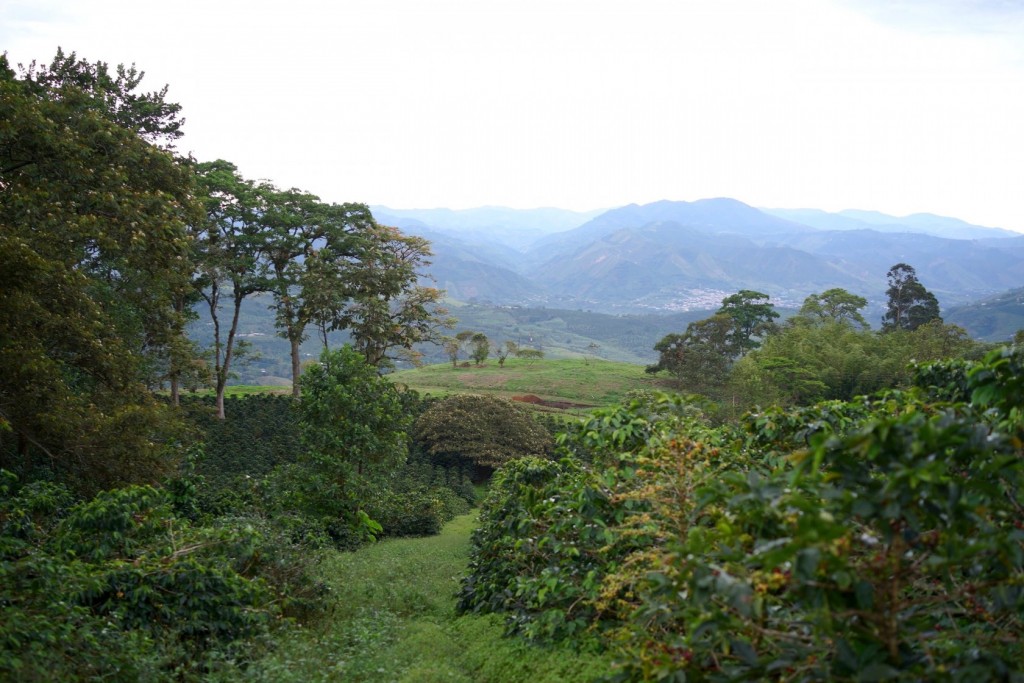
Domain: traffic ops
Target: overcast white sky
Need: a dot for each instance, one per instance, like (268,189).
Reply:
(900,106)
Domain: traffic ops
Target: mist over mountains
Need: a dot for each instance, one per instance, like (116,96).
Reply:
(671,256)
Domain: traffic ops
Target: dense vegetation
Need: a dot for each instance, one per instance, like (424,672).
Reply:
(147,538)
(874,539)
(742,358)
(864,524)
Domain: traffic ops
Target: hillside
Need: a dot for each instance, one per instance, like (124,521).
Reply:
(611,285)
(661,256)
(921,223)
(994,319)
(587,382)
(561,334)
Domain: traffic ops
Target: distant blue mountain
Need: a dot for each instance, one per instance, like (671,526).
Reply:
(926,223)
(666,255)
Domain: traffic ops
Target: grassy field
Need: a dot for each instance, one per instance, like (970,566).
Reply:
(241,390)
(591,382)
(393,619)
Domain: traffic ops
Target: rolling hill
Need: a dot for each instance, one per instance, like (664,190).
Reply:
(994,319)
(583,382)
(667,255)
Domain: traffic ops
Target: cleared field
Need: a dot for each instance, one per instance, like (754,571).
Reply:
(590,382)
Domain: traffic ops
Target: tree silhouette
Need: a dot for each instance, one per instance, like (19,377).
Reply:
(910,304)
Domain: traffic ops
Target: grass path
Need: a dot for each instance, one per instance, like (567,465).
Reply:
(394,619)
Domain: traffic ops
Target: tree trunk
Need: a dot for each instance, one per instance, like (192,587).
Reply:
(179,308)
(220,401)
(223,371)
(296,369)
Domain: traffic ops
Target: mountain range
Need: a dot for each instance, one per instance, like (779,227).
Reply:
(680,256)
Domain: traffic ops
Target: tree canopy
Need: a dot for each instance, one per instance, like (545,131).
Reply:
(95,253)
(910,304)
(382,305)
(834,306)
(701,356)
(752,317)
(484,430)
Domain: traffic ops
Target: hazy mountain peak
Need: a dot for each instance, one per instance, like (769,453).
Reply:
(859,219)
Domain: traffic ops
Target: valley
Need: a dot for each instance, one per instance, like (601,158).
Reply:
(610,284)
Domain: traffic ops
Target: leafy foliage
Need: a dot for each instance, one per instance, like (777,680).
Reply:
(120,586)
(311,245)
(873,540)
(94,245)
(381,305)
(421,497)
(701,357)
(483,430)
(752,316)
(262,434)
(910,304)
(834,306)
(354,429)
(481,348)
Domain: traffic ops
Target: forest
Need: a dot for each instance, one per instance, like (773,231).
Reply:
(799,500)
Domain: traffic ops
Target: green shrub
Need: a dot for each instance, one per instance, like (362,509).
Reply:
(121,587)
(542,548)
(421,497)
(874,540)
(485,431)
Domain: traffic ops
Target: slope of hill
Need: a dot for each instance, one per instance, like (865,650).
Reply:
(922,223)
(957,271)
(718,216)
(995,319)
(512,227)
(485,272)
(657,265)
(666,255)
(580,381)
(561,333)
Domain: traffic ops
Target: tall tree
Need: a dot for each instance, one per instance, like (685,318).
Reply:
(386,312)
(453,345)
(93,236)
(309,246)
(700,357)
(834,306)
(504,350)
(111,95)
(481,348)
(232,244)
(752,317)
(910,304)
(355,429)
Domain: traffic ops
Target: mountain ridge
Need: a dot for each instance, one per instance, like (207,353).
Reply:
(663,256)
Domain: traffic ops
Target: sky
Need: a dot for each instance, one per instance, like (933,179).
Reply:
(899,106)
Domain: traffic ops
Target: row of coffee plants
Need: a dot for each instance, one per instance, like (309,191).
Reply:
(257,460)
(877,539)
(125,586)
(192,578)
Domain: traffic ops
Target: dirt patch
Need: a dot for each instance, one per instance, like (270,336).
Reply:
(538,401)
